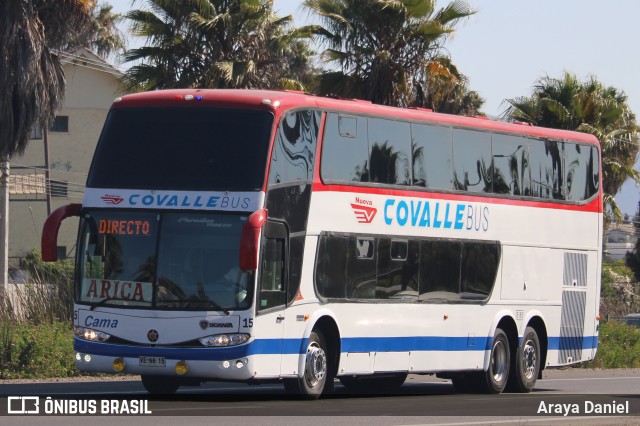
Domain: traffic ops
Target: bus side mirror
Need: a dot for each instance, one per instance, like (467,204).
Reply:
(51,228)
(250,240)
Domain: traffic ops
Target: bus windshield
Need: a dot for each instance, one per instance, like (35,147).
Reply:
(162,260)
(210,149)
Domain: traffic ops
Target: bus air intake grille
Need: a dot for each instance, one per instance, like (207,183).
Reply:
(571,326)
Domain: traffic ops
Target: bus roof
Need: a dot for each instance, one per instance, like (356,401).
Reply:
(283,100)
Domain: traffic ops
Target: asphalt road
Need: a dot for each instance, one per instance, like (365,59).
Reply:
(422,400)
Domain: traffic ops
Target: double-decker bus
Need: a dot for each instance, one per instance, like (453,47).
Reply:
(262,236)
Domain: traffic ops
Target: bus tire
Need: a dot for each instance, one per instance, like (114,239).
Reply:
(526,365)
(494,380)
(382,383)
(316,373)
(160,385)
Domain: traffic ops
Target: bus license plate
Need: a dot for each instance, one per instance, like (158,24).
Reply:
(152,361)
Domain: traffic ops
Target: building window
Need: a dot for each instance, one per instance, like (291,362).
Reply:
(33,183)
(60,124)
(59,188)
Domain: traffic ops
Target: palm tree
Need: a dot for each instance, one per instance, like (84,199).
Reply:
(214,44)
(588,106)
(441,87)
(381,46)
(102,36)
(31,77)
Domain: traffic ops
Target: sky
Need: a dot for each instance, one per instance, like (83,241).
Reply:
(509,44)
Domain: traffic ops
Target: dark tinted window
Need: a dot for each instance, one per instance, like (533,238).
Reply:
(593,172)
(579,167)
(184,148)
(397,277)
(433,269)
(198,262)
(388,272)
(175,260)
(361,268)
(345,151)
(511,165)
(472,160)
(390,157)
(295,146)
(410,269)
(296,252)
(118,257)
(331,266)
(432,156)
(546,169)
(439,270)
(478,269)
(272,274)
(399,250)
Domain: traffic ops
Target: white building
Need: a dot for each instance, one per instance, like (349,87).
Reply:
(92,84)
(620,239)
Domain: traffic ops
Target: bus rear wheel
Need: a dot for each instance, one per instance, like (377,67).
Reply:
(160,385)
(494,380)
(526,365)
(317,372)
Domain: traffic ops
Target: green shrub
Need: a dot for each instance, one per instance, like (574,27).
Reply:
(47,296)
(36,351)
(618,346)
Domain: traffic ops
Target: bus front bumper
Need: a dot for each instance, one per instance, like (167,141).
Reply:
(232,363)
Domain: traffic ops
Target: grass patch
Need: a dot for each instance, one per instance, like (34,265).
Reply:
(618,346)
(30,351)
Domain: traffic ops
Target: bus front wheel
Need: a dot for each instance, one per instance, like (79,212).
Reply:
(316,373)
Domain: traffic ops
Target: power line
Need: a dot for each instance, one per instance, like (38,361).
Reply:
(20,166)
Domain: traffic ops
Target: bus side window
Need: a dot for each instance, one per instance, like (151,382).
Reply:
(272,288)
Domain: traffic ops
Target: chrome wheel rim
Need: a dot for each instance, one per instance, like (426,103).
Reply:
(316,364)
(499,361)
(529,359)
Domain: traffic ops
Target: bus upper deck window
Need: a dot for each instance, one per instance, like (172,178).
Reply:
(348,126)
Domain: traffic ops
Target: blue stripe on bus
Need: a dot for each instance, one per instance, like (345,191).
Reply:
(298,346)
(586,342)
(406,344)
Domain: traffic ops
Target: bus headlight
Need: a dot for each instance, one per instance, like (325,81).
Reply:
(224,339)
(90,335)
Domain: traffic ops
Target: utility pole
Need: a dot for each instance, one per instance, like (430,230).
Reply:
(47,171)
(4,227)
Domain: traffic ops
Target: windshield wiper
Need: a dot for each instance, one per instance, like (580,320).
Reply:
(109,299)
(207,304)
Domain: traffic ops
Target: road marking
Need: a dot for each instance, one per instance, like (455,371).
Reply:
(228,407)
(521,420)
(589,378)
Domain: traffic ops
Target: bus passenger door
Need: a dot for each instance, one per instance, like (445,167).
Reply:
(271,298)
